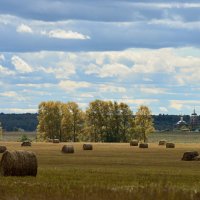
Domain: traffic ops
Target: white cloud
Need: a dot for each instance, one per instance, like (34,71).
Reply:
(2,57)
(110,88)
(139,101)
(70,86)
(163,109)
(24,29)
(62,34)
(62,70)
(176,24)
(36,85)
(20,65)
(108,70)
(153,90)
(5,71)
(13,95)
(19,110)
(181,104)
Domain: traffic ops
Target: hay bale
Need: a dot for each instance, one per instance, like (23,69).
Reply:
(197,158)
(190,155)
(162,142)
(49,140)
(68,149)
(87,147)
(2,149)
(56,141)
(143,145)
(18,163)
(170,145)
(26,144)
(134,143)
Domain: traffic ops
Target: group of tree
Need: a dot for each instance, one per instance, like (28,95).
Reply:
(16,122)
(29,121)
(103,121)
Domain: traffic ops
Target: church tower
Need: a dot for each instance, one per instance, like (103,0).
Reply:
(194,121)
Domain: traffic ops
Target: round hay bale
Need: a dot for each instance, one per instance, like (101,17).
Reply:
(197,158)
(56,141)
(170,145)
(18,163)
(143,145)
(49,140)
(87,147)
(190,155)
(134,143)
(68,149)
(2,149)
(26,144)
(162,142)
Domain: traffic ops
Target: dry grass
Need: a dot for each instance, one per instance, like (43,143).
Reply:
(109,171)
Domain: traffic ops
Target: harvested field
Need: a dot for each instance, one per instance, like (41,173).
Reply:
(156,173)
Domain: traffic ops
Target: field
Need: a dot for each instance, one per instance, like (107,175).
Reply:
(110,171)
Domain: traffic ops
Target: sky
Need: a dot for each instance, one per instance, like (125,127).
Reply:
(140,52)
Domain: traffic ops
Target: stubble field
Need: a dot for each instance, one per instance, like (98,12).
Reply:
(110,171)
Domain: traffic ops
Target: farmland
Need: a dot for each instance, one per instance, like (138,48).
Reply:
(111,170)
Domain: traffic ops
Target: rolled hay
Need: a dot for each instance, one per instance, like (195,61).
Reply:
(18,163)
(87,147)
(2,149)
(170,145)
(26,144)
(134,143)
(162,142)
(143,145)
(56,141)
(49,140)
(190,155)
(68,149)
(197,158)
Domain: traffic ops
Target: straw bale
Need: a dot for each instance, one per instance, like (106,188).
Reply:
(18,163)
(87,147)
(68,149)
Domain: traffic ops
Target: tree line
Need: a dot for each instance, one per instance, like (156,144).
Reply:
(104,121)
(29,121)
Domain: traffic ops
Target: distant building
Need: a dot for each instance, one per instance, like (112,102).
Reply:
(181,124)
(194,121)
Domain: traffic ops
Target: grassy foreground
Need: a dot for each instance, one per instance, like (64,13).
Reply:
(110,171)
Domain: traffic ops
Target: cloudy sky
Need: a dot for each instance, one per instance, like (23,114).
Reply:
(135,51)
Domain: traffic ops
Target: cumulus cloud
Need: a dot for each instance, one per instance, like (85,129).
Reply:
(139,101)
(20,65)
(19,110)
(70,86)
(62,34)
(153,90)
(62,70)
(13,95)
(5,71)
(2,58)
(36,85)
(163,109)
(24,29)
(110,88)
(181,104)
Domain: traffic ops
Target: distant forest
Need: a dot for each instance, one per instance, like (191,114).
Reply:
(29,122)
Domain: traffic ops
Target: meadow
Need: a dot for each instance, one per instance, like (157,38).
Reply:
(110,171)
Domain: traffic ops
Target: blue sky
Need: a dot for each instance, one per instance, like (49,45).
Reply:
(138,52)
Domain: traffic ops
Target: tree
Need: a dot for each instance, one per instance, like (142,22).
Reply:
(77,119)
(108,121)
(95,120)
(126,121)
(49,118)
(143,122)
